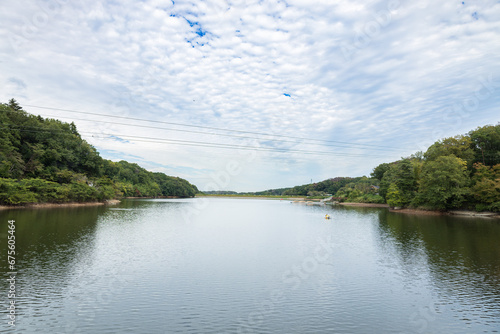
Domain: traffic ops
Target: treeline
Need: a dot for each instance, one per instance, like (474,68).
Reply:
(46,160)
(220,192)
(461,172)
(330,186)
(357,189)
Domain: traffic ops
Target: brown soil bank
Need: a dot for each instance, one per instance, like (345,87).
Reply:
(58,205)
(427,212)
(420,212)
(448,213)
(366,205)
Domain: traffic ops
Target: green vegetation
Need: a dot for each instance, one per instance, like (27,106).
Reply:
(360,190)
(461,172)
(243,195)
(46,160)
(219,193)
(330,186)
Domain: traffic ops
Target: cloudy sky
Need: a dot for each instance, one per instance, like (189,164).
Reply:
(249,95)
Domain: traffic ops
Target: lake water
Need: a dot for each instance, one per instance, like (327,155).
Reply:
(250,266)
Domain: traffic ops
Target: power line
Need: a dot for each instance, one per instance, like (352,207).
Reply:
(209,133)
(240,147)
(198,144)
(208,127)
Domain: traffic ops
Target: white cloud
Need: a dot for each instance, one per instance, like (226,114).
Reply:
(379,72)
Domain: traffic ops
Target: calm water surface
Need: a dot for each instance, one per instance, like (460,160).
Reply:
(250,266)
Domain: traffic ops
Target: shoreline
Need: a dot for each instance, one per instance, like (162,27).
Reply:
(157,197)
(58,205)
(75,204)
(456,213)
(365,205)
(420,212)
(250,197)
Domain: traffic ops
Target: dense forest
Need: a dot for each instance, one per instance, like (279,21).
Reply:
(46,160)
(330,186)
(461,172)
(357,189)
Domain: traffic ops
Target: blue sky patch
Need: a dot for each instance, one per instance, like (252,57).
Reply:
(121,140)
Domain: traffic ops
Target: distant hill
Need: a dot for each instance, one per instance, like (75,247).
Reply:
(330,186)
(46,160)
(220,192)
(460,172)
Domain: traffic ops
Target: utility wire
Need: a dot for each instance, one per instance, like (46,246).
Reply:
(207,127)
(196,143)
(213,133)
(242,147)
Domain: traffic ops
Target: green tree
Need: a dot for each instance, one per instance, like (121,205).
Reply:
(394,197)
(444,183)
(14,105)
(459,146)
(486,144)
(52,163)
(11,161)
(402,174)
(486,187)
(360,190)
(379,171)
(14,192)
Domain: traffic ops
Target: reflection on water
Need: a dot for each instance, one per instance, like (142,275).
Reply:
(49,244)
(461,254)
(251,266)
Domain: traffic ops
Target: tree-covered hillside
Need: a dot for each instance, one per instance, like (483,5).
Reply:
(330,186)
(46,160)
(357,189)
(455,172)
(461,172)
